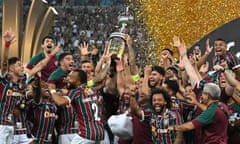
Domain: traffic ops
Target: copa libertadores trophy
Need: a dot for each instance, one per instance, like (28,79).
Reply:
(116,44)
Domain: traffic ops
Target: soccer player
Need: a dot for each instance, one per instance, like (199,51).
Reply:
(66,123)
(48,46)
(81,98)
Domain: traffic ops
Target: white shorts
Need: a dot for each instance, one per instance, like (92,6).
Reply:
(6,134)
(80,140)
(22,139)
(66,138)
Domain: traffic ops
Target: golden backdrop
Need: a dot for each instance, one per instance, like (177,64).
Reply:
(189,19)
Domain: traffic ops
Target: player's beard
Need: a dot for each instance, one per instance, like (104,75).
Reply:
(71,86)
(152,86)
(162,107)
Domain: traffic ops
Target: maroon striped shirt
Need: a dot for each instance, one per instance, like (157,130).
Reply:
(43,118)
(9,94)
(89,124)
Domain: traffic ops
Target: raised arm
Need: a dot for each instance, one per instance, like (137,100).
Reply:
(102,60)
(228,75)
(84,50)
(59,100)
(206,54)
(120,79)
(134,108)
(145,88)
(132,56)
(182,72)
(44,62)
(9,38)
(99,64)
(192,99)
(103,73)
(194,77)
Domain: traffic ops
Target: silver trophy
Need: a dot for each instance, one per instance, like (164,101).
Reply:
(116,44)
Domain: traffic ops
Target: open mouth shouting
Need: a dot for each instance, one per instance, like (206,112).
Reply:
(218,51)
(71,66)
(158,108)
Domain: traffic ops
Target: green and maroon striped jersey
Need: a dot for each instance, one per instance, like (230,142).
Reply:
(20,123)
(90,125)
(9,94)
(67,116)
(161,123)
(98,105)
(42,115)
(51,66)
(21,126)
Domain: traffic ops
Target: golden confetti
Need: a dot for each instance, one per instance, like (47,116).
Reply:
(191,20)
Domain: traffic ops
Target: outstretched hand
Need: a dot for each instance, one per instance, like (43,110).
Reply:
(208,47)
(176,42)
(191,99)
(84,48)
(148,69)
(180,45)
(182,49)
(57,49)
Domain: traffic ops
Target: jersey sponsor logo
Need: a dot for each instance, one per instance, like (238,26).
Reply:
(47,114)
(89,91)
(90,99)
(11,93)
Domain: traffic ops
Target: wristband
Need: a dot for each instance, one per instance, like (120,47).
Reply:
(50,56)
(53,91)
(90,83)
(136,77)
(7,44)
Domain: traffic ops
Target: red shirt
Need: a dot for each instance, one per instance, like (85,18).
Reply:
(214,124)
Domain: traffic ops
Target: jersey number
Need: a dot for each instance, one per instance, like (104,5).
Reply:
(95,109)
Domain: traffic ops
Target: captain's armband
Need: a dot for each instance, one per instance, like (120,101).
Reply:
(136,77)
(90,83)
